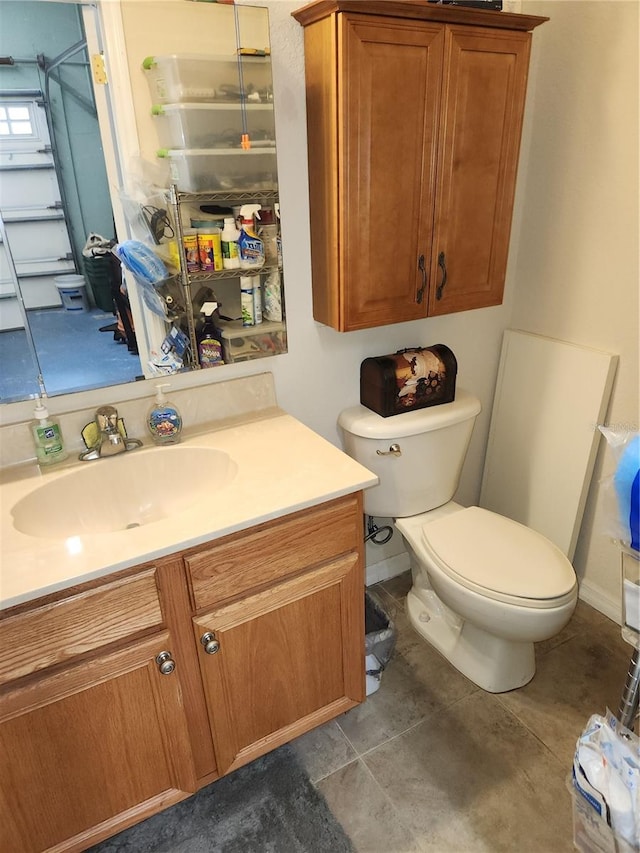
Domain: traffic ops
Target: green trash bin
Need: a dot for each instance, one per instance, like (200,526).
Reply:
(98,272)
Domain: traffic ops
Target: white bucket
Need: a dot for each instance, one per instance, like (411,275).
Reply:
(73,292)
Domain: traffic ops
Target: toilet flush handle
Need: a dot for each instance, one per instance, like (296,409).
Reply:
(394,450)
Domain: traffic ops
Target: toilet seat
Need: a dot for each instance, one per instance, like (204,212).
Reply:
(499,558)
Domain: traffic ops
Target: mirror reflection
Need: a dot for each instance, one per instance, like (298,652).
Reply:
(58,279)
(56,316)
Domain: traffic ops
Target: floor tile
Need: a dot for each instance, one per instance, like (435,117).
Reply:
(323,750)
(366,815)
(416,683)
(580,677)
(473,778)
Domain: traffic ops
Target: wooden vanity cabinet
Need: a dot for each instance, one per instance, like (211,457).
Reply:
(113,705)
(93,735)
(414,116)
(280,628)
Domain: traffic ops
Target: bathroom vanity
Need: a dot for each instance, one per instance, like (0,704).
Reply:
(133,677)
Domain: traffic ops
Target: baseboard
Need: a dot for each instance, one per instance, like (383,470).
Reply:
(601,601)
(385,569)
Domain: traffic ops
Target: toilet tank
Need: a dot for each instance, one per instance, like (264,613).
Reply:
(423,471)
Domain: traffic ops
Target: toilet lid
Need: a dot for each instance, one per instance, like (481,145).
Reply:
(494,554)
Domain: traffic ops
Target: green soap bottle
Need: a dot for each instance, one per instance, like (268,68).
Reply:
(47,436)
(164,421)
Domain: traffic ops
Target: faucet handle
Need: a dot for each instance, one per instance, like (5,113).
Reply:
(107,419)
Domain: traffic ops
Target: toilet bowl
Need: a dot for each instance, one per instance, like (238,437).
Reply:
(485,588)
(469,603)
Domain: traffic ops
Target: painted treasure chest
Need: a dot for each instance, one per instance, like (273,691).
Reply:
(408,379)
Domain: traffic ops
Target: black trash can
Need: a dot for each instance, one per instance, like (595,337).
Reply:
(379,641)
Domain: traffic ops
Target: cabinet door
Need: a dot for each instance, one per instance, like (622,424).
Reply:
(91,749)
(371,176)
(484,93)
(283,661)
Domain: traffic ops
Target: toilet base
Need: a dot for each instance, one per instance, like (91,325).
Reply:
(493,663)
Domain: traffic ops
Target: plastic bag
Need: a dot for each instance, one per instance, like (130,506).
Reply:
(379,640)
(622,490)
(97,245)
(142,261)
(606,772)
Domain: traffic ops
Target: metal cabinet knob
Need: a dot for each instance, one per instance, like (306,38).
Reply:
(211,645)
(165,662)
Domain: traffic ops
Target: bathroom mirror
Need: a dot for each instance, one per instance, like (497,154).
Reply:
(48,327)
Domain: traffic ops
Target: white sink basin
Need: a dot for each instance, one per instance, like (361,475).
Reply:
(125,491)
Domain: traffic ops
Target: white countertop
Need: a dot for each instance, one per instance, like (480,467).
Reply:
(282,467)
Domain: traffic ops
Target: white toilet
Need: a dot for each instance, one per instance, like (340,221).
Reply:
(485,588)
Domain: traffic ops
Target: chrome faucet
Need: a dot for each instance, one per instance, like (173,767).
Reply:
(109,440)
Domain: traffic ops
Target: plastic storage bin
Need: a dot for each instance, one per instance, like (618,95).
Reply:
(187,78)
(200,170)
(243,343)
(213,125)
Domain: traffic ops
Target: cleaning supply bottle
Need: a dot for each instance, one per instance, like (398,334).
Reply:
(246,300)
(269,232)
(250,245)
(229,240)
(209,338)
(47,435)
(257,300)
(163,419)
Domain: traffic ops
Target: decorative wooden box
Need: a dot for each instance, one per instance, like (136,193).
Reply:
(409,379)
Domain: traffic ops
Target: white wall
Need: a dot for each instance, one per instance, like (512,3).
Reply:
(575,256)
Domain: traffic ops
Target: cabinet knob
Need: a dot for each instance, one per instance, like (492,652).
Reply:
(165,662)
(211,645)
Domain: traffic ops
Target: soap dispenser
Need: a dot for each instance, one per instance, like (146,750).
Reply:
(47,435)
(163,419)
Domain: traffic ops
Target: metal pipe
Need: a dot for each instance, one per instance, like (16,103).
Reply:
(629,701)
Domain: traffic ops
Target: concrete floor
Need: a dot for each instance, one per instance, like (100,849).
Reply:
(74,355)
(432,763)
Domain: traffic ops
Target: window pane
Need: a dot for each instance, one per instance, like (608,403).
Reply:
(21,127)
(19,113)
(3,114)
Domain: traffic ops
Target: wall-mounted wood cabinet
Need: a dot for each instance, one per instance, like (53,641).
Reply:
(414,116)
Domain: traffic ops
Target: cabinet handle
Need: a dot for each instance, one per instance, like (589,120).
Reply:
(165,662)
(443,266)
(423,270)
(211,645)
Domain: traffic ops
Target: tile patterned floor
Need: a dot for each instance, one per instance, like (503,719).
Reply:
(432,763)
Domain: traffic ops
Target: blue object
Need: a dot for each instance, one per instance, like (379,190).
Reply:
(142,261)
(627,485)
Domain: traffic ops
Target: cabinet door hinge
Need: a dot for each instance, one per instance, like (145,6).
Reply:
(97,66)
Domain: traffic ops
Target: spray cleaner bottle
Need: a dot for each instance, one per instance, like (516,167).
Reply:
(250,246)
(209,338)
